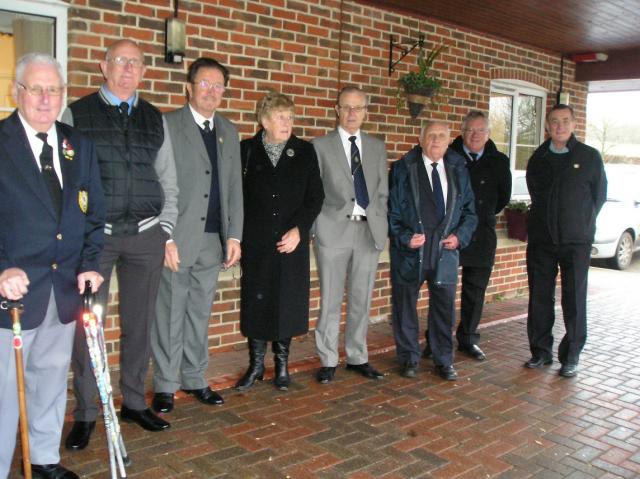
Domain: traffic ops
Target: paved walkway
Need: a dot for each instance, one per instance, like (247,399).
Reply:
(498,420)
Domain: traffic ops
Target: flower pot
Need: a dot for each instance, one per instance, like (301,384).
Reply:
(417,101)
(516,224)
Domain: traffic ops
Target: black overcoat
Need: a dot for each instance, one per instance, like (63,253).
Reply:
(491,183)
(275,286)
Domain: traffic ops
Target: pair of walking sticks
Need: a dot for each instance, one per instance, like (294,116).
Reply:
(91,322)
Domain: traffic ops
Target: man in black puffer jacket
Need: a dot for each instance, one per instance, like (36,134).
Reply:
(491,183)
(139,181)
(568,186)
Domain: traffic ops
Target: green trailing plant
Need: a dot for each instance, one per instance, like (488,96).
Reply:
(421,82)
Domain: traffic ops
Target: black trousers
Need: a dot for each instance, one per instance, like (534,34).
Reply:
(543,261)
(138,260)
(474,285)
(440,321)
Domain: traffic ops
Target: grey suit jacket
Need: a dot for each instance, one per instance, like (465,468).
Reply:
(192,162)
(339,190)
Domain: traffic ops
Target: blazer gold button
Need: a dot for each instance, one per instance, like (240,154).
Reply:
(54,266)
(59,236)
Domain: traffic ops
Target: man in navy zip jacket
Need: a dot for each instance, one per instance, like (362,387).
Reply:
(568,186)
(431,216)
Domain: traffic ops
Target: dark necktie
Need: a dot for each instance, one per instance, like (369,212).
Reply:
(438,196)
(207,126)
(362,196)
(472,158)
(123,109)
(49,173)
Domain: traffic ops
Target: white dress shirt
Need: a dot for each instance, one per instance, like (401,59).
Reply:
(36,145)
(441,172)
(346,144)
(201,119)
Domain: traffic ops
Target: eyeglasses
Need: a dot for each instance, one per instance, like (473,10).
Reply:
(349,109)
(124,61)
(37,90)
(480,131)
(205,85)
(283,117)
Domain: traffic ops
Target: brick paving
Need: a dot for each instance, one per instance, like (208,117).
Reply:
(499,420)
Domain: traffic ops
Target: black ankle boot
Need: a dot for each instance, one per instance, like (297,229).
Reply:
(281,359)
(257,349)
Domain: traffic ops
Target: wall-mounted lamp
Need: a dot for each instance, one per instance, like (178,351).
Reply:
(175,38)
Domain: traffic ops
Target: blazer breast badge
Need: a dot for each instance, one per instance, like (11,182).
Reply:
(83,200)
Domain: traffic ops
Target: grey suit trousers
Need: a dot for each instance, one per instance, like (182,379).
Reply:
(357,264)
(46,355)
(138,260)
(179,335)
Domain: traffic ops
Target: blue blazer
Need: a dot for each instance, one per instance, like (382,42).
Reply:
(52,252)
(405,221)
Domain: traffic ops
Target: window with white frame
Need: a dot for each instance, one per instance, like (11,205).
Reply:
(516,119)
(29,26)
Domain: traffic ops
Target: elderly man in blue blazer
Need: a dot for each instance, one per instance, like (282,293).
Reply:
(51,227)
(431,216)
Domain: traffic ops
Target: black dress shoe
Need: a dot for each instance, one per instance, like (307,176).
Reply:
(474,351)
(447,372)
(78,437)
(162,402)
(326,374)
(410,369)
(51,471)
(535,362)
(366,370)
(206,396)
(143,418)
(568,370)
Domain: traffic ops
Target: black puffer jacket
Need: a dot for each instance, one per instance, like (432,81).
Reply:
(126,155)
(564,205)
(491,183)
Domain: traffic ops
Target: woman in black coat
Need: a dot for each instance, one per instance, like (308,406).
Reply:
(282,196)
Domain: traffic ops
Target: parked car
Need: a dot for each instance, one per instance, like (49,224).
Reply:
(618,224)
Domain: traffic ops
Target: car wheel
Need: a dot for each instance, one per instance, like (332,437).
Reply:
(624,252)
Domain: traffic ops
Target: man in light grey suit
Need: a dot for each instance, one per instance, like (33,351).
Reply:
(350,232)
(206,237)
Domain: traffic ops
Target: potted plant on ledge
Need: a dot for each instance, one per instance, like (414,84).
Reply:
(517,214)
(418,88)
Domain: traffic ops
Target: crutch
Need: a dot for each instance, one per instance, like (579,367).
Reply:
(93,329)
(15,308)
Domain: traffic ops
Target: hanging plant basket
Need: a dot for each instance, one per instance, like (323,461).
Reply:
(419,88)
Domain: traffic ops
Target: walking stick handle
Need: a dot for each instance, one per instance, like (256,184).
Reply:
(87,297)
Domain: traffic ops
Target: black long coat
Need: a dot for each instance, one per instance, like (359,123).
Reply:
(275,286)
(491,183)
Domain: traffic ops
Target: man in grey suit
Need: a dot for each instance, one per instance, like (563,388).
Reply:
(206,237)
(350,232)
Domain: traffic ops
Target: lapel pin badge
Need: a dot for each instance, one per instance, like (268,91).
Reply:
(289,152)
(576,165)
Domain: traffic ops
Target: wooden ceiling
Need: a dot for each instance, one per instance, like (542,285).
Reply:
(562,26)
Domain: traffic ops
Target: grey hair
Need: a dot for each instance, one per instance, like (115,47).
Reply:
(352,89)
(123,41)
(431,123)
(36,58)
(474,115)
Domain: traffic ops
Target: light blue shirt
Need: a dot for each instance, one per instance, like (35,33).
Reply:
(467,151)
(114,100)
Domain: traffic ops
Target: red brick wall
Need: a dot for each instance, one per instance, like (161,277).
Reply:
(308,49)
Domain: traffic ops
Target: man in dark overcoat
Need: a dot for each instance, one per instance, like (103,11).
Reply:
(491,183)
(51,234)
(431,216)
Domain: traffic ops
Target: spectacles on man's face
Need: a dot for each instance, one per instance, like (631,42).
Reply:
(37,90)
(479,131)
(205,85)
(349,109)
(124,61)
